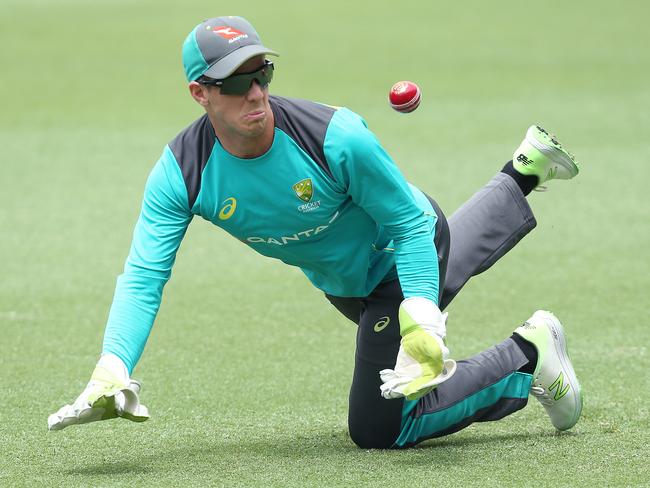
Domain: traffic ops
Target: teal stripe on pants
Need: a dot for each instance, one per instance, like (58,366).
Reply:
(414,429)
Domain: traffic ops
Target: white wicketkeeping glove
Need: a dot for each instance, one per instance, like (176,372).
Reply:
(110,393)
(422,362)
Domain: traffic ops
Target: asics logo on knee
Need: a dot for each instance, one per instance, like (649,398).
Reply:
(381,324)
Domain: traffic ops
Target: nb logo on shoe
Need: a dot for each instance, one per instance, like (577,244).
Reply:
(523,159)
(558,386)
(381,324)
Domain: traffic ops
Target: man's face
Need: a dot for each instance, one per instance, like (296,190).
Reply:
(242,116)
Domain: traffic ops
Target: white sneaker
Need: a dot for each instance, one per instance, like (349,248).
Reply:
(555,384)
(541,154)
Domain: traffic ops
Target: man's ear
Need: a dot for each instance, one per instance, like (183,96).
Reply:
(199,93)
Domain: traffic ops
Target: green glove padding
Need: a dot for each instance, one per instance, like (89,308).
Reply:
(422,362)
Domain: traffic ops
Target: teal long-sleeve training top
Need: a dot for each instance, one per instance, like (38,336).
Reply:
(326,197)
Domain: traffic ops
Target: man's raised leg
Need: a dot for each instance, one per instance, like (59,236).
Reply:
(498,216)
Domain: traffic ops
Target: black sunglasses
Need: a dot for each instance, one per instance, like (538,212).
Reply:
(240,83)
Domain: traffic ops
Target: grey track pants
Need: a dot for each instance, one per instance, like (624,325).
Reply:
(486,386)
(483,230)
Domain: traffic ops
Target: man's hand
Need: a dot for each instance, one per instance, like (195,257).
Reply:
(422,362)
(110,393)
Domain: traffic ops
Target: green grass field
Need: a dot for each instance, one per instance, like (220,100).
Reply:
(247,369)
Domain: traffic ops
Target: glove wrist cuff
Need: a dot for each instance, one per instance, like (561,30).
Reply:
(421,312)
(112,366)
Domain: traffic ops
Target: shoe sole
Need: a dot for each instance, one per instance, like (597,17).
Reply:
(560,345)
(553,150)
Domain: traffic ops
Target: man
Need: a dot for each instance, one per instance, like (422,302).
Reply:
(336,205)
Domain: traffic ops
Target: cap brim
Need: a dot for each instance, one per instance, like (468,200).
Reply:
(228,64)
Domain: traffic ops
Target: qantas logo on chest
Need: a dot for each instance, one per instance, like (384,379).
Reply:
(297,237)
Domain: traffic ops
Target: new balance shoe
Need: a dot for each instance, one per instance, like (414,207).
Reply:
(555,384)
(540,154)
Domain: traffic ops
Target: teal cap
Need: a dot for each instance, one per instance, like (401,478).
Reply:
(217,47)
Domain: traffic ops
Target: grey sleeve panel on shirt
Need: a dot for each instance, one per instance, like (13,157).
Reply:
(306,123)
(192,149)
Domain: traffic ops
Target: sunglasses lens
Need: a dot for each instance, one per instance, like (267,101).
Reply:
(236,85)
(240,84)
(267,72)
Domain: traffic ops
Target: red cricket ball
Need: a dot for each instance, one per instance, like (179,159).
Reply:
(405,96)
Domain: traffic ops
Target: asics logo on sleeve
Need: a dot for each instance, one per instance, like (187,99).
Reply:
(229,207)
(381,324)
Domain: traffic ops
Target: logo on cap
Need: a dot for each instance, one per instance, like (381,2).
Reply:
(230,33)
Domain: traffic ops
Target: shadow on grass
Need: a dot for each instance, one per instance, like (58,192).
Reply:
(468,440)
(335,446)
(111,468)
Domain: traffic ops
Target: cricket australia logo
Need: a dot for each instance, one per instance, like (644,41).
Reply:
(305,191)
